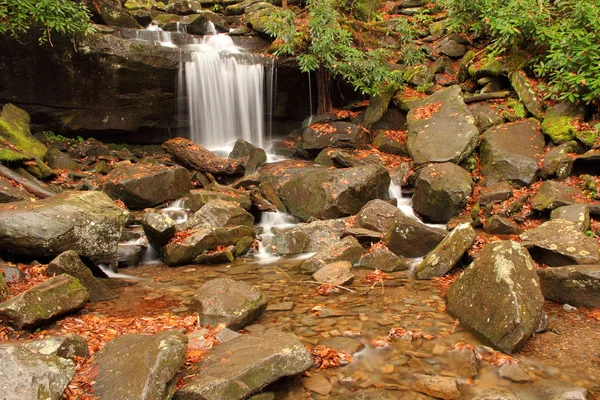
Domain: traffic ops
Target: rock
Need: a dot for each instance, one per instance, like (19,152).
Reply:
(497,393)
(45,301)
(111,14)
(337,273)
(499,295)
(372,394)
(464,362)
(10,192)
(333,134)
(447,254)
(556,390)
(159,229)
(410,238)
(560,122)
(219,214)
(551,195)
(252,156)
(378,106)
(578,285)
(340,343)
(318,384)
(234,303)
(11,274)
(526,93)
(440,387)
(239,8)
(193,156)
(56,159)
(198,198)
(512,152)
(486,115)
(3,287)
(441,128)
(341,158)
(513,372)
(441,191)
(308,237)
(497,225)
(195,242)
(347,249)
(384,260)
(495,193)
(66,346)
(388,143)
(579,214)
(218,256)
(419,75)
(377,215)
(200,24)
(244,365)
(137,366)
(558,162)
(257,20)
(69,262)
(90,223)
(364,236)
(183,7)
(146,185)
(559,242)
(451,48)
(29,375)
(311,191)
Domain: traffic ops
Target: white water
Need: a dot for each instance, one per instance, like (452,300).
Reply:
(270,220)
(112,274)
(225,94)
(405,205)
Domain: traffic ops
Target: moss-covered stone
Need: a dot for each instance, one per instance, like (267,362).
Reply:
(3,287)
(527,93)
(588,138)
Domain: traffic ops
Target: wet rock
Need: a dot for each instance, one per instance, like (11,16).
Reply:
(449,134)
(10,192)
(29,374)
(578,285)
(195,242)
(159,228)
(45,301)
(559,242)
(193,156)
(310,191)
(464,362)
(497,225)
(447,254)
(227,301)
(308,237)
(558,161)
(333,134)
(244,365)
(579,214)
(556,390)
(377,215)
(372,394)
(347,249)
(440,387)
(70,263)
(198,198)
(383,260)
(499,295)
(56,159)
(318,384)
(220,214)
(140,366)
(512,152)
(497,393)
(90,223)
(218,256)
(552,195)
(146,185)
(337,273)
(441,191)
(526,93)
(340,343)
(252,156)
(495,193)
(513,372)
(410,238)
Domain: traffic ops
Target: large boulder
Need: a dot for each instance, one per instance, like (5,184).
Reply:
(512,152)
(242,366)
(441,128)
(310,191)
(220,214)
(441,191)
(146,185)
(499,295)
(333,134)
(45,301)
(559,242)
(410,238)
(140,366)
(90,223)
(308,237)
(252,156)
(233,303)
(446,254)
(577,285)
(134,85)
(347,249)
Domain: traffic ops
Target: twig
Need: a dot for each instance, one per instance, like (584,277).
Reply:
(325,283)
(488,96)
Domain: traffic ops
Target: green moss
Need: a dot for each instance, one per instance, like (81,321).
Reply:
(14,127)
(588,137)
(518,107)
(3,287)
(559,128)
(493,67)
(9,156)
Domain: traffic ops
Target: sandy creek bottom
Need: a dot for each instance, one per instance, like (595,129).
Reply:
(569,351)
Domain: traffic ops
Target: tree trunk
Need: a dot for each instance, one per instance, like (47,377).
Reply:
(324,90)
(284,4)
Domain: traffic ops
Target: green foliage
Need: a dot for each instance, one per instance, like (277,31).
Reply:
(562,38)
(50,16)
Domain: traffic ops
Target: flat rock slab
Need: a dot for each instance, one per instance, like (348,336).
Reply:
(89,223)
(499,295)
(559,242)
(512,152)
(227,301)
(244,365)
(446,254)
(45,301)
(337,273)
(140,366)
(577,285)
(441,128)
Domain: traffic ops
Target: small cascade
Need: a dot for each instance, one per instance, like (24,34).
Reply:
(270,220)
(405,204)
(225,93)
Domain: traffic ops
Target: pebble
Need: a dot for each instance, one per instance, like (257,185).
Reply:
(318,384)
(569,308)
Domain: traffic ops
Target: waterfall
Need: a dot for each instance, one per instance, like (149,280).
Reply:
(225,94)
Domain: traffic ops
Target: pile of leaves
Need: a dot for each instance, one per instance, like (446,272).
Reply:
(398,332)
(326,357)
(426,112)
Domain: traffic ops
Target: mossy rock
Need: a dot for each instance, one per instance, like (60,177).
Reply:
(3,287)
(366,9)
(14,127)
